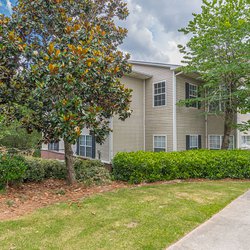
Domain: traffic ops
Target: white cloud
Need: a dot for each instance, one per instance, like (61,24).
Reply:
(9,6)
(153,28)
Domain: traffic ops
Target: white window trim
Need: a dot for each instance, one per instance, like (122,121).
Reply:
(221,138)
(166,141)
(192,84)
(79,145)
(153,92)
(241,139)
(197,136)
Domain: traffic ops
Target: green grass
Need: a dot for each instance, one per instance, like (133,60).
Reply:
(150,217)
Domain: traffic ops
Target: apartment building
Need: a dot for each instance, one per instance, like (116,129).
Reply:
(157,122)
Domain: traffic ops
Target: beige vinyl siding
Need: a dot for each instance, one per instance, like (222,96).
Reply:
(190,121)
(158,119)
(128,135)
(103,150)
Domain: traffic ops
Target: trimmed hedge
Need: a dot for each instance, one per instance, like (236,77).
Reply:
(137,167)
(89,172)
(12,169)
(39,169)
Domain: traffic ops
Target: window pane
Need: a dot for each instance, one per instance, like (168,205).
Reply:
(159,94)
(88,152)
(89,140)
(160,143)
(82,151)
(214,142)
(246,140)
(82,140)
(194,141)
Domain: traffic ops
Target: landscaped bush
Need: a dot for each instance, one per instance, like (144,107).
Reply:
(91,172)
(141,166)
(12,169)
(39,169)
(88,172)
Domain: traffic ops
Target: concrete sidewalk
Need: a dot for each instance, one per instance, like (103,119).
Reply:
(227,230)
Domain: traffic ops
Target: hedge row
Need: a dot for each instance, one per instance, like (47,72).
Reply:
(141,166)
(30,169)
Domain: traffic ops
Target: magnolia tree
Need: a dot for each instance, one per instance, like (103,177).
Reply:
(219,50)
(71,62)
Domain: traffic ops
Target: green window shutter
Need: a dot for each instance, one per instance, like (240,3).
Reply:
(187,86)
(77,146)
(187,142)
(93,146)
(199,142)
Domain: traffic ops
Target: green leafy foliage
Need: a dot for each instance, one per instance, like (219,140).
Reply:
(70,63)
(14,136)
(87,171)
(219,51)
(40,169)
(91,172)
(12,169)
(142,166)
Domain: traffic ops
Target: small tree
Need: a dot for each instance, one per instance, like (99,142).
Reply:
(74,68)
(219,50)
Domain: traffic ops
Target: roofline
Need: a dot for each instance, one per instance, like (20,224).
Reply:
(155,64)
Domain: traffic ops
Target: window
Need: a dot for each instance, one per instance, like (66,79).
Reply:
(192,93)
(159,143)
(245,140)
(215,141)
(159,94)
(193,142)
(85,146)
(54,146)
(216,106)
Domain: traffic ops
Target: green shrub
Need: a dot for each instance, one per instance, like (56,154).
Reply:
(12,169)
(141,166)
(40,169)
(35,170)
(54,169)
(91,172)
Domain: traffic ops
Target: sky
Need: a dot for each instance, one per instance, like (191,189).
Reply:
(153,27)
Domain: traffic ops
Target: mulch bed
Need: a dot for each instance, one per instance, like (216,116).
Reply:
(24,199)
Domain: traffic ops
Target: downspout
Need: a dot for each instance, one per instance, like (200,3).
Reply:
(111,141)
(237,133)
(144,115)
(175,148)
(206,122)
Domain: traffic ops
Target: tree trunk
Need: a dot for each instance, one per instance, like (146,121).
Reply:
(69,160)
(228,127)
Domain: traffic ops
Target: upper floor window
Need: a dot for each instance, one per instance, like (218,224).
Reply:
(159,143)
(54,146)
(216,106)
(215,141)
(192,93)
(160,94)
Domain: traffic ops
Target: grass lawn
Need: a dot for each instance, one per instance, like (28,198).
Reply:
(149,217)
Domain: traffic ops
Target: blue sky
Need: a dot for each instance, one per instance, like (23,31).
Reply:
(153,27)
(5,6)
